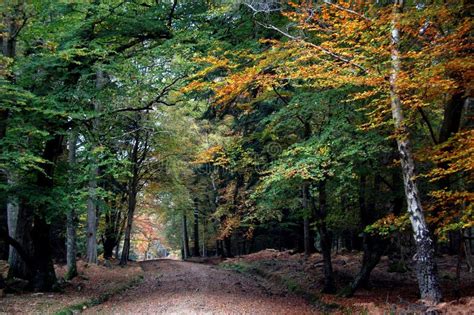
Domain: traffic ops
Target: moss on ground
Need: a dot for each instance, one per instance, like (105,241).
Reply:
(291,285)
(77,308)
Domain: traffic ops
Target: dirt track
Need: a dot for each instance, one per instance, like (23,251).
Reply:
(175,287)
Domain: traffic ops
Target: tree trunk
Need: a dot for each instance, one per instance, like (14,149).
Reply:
(132,201)
(9,41)
(17,222)
(117,250)
(109,240)
(137,158)
(20,224)
(185,237)
(71,216)
(108,248)
(44,276)
(452,116)
(426,266)
(219,248)
(329,286)
(4,246)
(112,230)
(13,211)
(196,230)
(92,218)
(373,249)
(372,245)
(228,247)
(204,238)
(308,238)
(467,251)
(33,235)
(114,225)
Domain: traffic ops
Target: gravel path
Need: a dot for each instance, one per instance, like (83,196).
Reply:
(176,287)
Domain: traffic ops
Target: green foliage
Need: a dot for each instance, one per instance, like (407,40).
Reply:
(226,120)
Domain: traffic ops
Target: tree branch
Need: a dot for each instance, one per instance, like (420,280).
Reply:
(17,246)
(324,50)
(266,10)
(346,10)
(148,106)
(279,95)
(428,124)
(170,16)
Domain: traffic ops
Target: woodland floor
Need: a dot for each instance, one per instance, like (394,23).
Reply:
(175,287)
(95,282)
(390,292)
(267,282)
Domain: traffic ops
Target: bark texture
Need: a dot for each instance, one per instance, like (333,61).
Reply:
(71,250)
(426,266)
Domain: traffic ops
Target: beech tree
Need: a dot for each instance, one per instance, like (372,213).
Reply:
(231,128)
(330,45)
(60,54)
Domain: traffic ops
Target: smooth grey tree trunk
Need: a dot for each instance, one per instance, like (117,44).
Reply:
(71,250)
(426,265)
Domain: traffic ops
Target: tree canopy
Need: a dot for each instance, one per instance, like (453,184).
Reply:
(255,124)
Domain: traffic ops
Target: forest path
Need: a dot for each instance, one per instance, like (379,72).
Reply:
(176,287)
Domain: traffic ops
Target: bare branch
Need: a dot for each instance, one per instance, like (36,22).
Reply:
(346,10)
(279,95)
(18,247)
(428,124)
(149,105)
(324,50)
(170,16)
(267,9)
